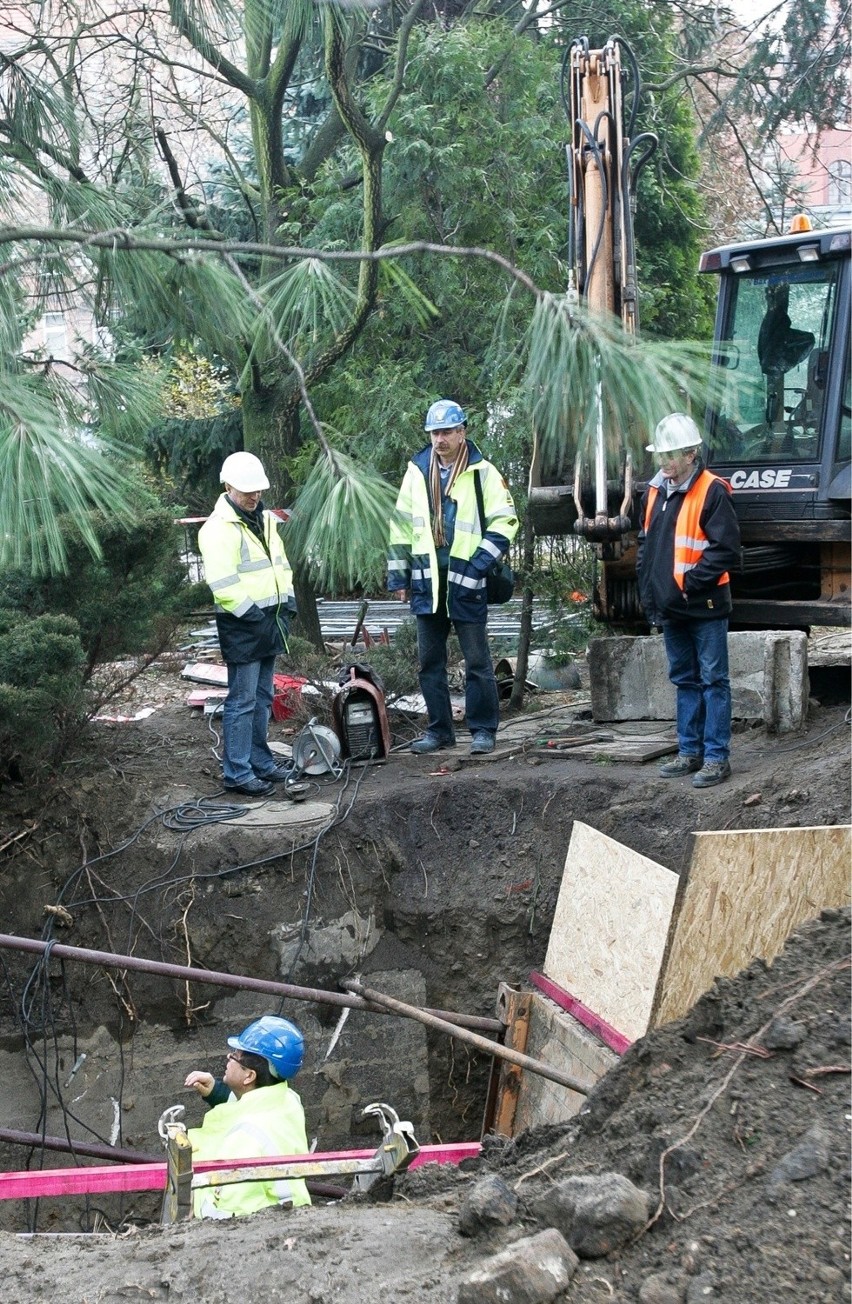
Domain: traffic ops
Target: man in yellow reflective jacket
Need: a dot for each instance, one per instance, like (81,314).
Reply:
(252,585)
(254,1114)
(441,547)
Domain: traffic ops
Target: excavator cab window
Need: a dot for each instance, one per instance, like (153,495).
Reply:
(773,360)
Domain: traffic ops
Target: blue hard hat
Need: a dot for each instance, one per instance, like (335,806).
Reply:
(278,1041)
(445,414)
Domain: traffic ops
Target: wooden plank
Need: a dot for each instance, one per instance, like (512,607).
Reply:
(613,748)
(742,895)
(610,928)
(514,1010)
(558,1037)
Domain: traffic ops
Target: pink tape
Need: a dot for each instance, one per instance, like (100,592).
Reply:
(608,1035)
(152,1177)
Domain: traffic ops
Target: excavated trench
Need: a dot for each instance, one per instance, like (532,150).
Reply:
(431,887)
(431,890)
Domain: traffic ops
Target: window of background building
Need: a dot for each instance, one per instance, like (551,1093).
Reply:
(55,335)
(840,183)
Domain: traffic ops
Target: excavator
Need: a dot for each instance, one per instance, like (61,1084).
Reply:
(778,420)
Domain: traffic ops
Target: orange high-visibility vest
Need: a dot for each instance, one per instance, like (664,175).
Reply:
(690,539)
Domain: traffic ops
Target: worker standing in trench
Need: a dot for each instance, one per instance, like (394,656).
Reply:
(252,585)
(688,542)
(442,543)
(254,1113)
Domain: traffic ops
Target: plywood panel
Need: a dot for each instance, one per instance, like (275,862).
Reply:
(610,927)
(744,893)
(557,1038)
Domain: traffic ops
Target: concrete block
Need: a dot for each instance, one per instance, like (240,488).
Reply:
(769,678)
(556,1037)
(532,1271)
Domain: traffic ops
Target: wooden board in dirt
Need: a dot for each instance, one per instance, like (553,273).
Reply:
(611,747)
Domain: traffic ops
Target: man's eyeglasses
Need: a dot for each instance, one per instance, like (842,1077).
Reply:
(236,1058)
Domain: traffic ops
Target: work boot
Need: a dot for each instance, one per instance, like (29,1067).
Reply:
(252,787)
(679,766)
(711,773)
(282,772)
(481,743)
(430,743)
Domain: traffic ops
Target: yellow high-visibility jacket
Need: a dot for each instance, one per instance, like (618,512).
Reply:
(263,1122)
(251,581)
(412,556)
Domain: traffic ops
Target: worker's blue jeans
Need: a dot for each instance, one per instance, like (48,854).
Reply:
(697,651)
(245,721)
(482,708)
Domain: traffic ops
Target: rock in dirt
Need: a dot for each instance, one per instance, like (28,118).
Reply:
(807,1159)
(532,1271)
(595,1214)
(784,1034)
(657,1289)
(489,1203)
(702,1290)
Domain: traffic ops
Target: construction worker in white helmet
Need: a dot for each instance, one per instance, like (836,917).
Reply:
(252,585)
(688,544)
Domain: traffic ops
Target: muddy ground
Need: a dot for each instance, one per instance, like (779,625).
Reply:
(434,885)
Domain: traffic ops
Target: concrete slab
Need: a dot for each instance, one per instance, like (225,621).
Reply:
(557,1038)
(769,678)
(281,813)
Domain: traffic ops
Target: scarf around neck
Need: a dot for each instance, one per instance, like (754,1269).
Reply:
(459,465)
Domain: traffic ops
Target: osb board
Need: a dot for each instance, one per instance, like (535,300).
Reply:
(742,895)
(610,928)
(557,1038)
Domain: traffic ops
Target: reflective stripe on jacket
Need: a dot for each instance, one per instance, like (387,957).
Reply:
(412,558)
(690,539)
(688,544)
(240,571)
(252,585)
(266,1121)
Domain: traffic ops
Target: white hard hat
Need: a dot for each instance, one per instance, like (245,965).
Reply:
(245,472)
(675,433)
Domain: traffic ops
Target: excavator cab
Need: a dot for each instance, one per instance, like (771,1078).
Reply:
(778,422)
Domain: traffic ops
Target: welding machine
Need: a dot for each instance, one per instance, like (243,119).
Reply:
(359,715)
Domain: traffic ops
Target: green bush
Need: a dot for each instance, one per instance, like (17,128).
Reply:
(61,635)
(127,601)
(41,689)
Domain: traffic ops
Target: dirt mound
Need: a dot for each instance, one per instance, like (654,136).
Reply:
(434,883)
(735,1121)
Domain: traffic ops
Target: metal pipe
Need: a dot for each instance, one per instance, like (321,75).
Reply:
(186,974)
(89,1149)
(472,1038)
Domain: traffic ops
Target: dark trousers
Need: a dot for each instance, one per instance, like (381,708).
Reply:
(482,708)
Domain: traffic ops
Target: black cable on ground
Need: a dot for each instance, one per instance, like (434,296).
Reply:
(37,1010)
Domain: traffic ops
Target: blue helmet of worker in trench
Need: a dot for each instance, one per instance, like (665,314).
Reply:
(445,415)
(276,1040)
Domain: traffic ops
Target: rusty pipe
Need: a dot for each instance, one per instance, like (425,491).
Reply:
(187,974)
(472,1038)
(88,1149)
(91,1150)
